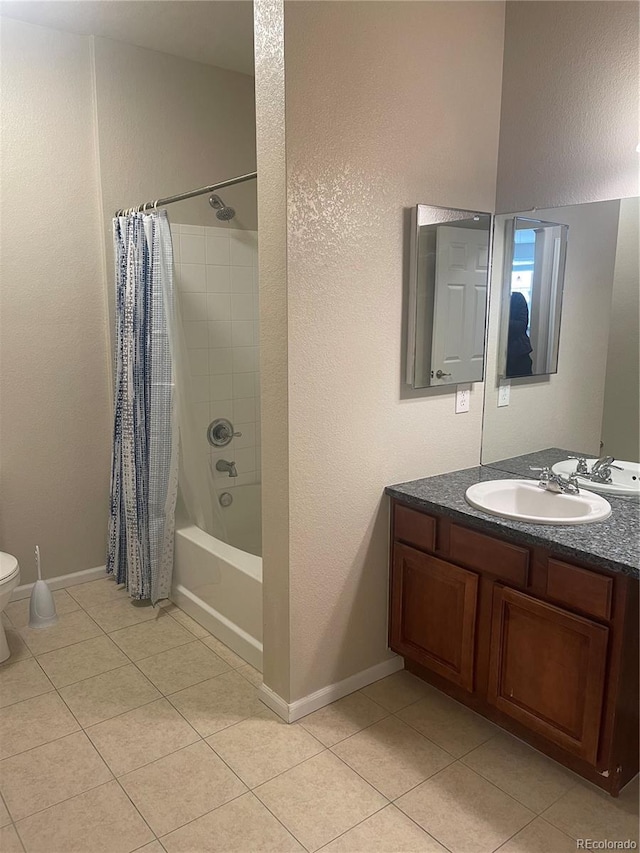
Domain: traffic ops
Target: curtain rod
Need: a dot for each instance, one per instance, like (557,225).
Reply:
(140,208)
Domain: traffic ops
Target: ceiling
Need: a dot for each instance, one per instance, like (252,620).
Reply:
(216,32)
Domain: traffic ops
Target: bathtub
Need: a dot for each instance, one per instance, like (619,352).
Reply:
(220,585)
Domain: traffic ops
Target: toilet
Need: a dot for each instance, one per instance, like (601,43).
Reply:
(9,580)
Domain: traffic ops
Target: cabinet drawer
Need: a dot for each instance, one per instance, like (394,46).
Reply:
(501,559)
(580,589)
(413,527)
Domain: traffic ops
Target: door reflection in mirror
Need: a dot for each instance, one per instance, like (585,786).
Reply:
(450,260)
(532,297)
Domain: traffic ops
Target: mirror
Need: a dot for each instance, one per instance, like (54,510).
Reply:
(534,262)
(590,406)
(448,283)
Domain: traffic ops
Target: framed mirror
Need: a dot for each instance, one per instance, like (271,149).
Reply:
(448,285)
(533,282)
(590,405)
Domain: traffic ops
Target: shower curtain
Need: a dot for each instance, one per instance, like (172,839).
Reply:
(144,471)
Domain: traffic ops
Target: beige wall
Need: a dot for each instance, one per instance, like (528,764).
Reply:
(55,392)
(621,421)
(167,125)
(563,409)
(569,124)
(358,156)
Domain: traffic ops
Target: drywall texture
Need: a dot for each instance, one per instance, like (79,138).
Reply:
(167,125)
(417,122)
(55,391)
(621,420)
(274,334)
(569,122)
(565,408)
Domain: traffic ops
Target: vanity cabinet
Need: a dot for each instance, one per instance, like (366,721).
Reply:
(543,647)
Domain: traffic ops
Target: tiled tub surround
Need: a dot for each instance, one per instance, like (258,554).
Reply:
(123,728)
(217,282)
(610,544)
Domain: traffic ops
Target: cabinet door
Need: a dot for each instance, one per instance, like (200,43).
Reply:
(433,614)
(547,670)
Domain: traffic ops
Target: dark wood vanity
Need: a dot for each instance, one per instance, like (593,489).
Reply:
(535,642)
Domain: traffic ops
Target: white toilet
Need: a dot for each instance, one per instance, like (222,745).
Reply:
(9,580)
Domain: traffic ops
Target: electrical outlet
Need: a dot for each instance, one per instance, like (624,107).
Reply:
(463,393)
(504,392)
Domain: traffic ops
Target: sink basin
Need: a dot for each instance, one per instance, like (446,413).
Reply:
(625,482)
(524,500)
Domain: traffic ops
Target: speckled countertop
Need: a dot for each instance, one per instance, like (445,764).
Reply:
(611,544)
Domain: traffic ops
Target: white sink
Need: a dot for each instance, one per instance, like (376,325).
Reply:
(624,482)
(524,500)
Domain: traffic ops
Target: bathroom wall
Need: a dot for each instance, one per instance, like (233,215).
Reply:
(55,390)
(358,156)
(563,409)
(217,281)
(621,421)
(569,122)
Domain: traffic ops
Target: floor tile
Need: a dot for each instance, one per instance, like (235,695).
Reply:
(539,837)
(9,841)
(182,667)
(50,774)
(34,722)
(224,652)
(18,611)
(242,826)
(217,703)
(5,817)
(264,746)
(151,638)
(320,799)
(18,649)
(392,756)
(396,691)
(141,736)
(109,694)
(152,847)
(528,776)
(22,680)
(70,628)
(97,592)
(190,624)
(180,787)
(101,821)
(387,831)
(82,660)
(463,811)
(448,723)
(253,675)
(113,615)
(343,718)
(586,812)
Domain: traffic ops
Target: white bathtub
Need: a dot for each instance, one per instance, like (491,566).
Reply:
(220,586)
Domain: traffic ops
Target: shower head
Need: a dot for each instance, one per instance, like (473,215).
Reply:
(223,212)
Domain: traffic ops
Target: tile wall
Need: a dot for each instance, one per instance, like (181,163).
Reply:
(217,283)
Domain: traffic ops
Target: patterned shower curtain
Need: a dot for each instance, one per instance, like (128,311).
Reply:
(144,470)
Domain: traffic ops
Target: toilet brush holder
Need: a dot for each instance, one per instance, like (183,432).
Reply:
(42,607)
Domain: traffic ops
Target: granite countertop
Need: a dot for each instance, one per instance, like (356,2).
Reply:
(610,544)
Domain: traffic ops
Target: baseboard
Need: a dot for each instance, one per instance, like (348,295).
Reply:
(290,712)
(231,635)
(62,581)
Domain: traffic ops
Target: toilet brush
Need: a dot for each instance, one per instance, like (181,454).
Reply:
(42,607)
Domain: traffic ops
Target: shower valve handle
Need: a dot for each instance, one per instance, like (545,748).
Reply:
(220,432)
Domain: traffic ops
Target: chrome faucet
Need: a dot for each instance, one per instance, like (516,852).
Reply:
(601,469)
(223,465)
(556,483)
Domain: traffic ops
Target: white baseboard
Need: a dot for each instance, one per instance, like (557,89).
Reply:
(290,712)
(61,581)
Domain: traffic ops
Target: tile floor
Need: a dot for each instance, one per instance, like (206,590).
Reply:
(125,729)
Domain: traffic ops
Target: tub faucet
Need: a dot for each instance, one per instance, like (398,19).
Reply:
(223,465)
